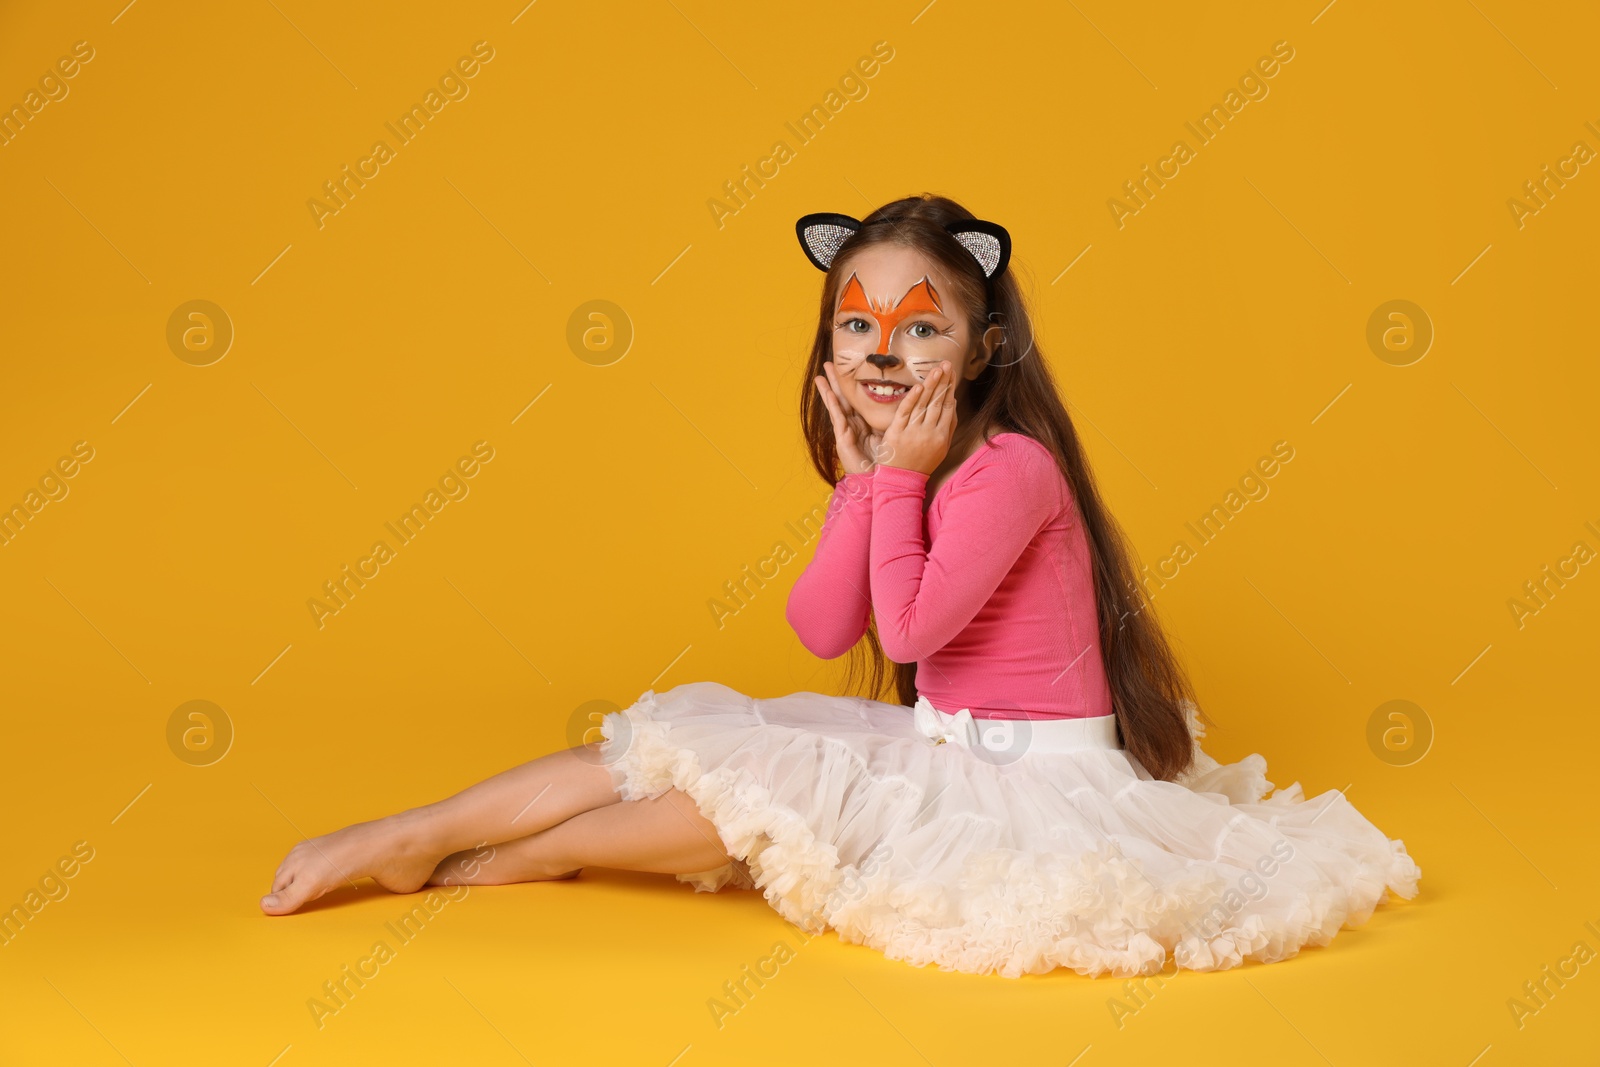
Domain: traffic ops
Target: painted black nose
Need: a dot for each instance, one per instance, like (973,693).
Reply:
(883,360)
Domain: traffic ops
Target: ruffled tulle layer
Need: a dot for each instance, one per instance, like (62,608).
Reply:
(846,817)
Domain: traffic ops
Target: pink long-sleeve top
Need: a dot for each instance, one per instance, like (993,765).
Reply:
(989,590)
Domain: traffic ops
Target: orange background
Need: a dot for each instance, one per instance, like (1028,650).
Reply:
(432,311)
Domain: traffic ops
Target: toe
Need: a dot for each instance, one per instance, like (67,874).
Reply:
(287,897)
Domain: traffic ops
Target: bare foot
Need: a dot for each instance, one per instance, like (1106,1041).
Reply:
(390,851)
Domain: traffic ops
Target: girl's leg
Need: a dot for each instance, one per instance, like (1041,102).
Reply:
(662,835)
(401,851)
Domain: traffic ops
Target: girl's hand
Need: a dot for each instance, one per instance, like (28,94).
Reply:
(919,437)
(859,445)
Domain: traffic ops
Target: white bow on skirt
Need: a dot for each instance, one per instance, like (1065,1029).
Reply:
(931,722)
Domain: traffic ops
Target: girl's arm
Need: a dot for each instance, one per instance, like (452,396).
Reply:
(829,604)
(924,597)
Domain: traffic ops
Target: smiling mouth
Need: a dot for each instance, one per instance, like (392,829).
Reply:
(883,389)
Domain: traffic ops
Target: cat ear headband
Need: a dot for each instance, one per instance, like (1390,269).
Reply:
(821,234)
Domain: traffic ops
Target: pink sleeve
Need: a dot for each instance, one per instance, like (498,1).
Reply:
(829,604)
(924,597)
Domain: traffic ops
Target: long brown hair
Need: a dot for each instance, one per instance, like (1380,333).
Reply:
(1016,392)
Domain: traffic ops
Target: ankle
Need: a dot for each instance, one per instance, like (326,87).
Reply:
(476,866)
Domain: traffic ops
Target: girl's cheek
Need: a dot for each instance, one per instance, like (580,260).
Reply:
(847,356)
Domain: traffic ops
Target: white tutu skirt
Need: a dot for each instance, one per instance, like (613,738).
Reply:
(860,816)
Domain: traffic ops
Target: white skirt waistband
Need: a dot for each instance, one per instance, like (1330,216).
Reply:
(1010,739)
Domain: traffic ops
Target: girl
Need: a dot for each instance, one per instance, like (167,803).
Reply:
(1036,797)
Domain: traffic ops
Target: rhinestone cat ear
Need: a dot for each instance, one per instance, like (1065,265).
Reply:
(821,234)
(988,242)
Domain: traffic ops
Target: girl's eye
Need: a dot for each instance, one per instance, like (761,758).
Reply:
(851,324)
(922,326)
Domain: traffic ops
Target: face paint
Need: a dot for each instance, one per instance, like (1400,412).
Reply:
(917,352)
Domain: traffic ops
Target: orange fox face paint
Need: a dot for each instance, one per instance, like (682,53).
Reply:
(919,344)
(894,322)
(920,298)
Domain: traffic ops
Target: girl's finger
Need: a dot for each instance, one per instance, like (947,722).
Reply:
(947,415)
(936,398)
(902,413)
(833,383)
(915,402)
(838,390)
(917,398)
(933,395)
(822,392)
(830,402)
